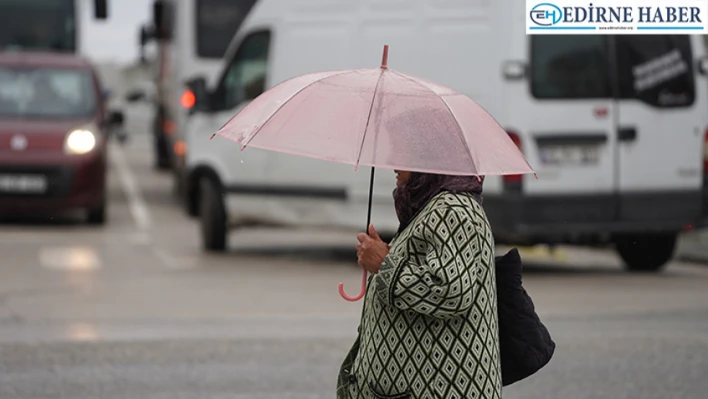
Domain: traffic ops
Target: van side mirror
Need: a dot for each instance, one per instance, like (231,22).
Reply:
(100,9)
(703,66)
(162,19)
(200,95)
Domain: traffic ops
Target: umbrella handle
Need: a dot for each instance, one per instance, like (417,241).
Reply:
(361,294)
(368,222)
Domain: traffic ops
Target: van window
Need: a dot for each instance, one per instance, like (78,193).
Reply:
(245,76)
(217,23)
(656,69)
(569,67)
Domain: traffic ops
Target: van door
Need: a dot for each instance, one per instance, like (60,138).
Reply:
(243,79)
(566,127)
(660,127)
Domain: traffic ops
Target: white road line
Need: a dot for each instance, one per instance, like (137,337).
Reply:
(137,205)
(173,262)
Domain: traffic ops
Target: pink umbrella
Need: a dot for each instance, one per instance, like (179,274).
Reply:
(378,118)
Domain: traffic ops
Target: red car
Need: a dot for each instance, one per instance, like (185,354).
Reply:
(53,135)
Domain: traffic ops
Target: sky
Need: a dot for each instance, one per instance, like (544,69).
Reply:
(114,40)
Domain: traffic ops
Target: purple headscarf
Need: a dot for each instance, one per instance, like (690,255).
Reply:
(411,197)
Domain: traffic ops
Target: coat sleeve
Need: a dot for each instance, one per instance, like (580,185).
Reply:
(437,275)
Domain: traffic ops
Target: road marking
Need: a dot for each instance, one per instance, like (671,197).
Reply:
(140,239)
(69,258)
(137,205)
(174,262)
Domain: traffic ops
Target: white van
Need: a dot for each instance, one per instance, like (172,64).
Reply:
(615,126)
(191,37)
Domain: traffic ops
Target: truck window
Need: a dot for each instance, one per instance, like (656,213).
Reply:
(656,69)
(217,23)
(246,75)
(569,67)
(38,25)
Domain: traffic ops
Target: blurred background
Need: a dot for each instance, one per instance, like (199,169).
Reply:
(140,259)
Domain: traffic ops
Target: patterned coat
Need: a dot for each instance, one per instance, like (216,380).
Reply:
(429,325)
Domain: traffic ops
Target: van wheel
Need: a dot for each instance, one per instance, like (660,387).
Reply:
(212,216)
(646,252)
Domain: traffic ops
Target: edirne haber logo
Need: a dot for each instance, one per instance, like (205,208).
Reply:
(617,17)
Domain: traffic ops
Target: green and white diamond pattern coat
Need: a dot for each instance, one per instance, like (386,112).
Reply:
(429,324)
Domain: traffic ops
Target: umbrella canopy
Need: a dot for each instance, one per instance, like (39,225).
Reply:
(379,118)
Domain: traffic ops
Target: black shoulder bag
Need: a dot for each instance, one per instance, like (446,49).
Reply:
(525,343)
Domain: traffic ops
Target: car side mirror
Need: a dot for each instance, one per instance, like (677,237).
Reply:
(116,119)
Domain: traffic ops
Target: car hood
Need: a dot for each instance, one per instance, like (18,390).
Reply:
(32,135)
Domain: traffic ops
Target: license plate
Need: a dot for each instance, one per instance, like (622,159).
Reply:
(33,184)
(565,155)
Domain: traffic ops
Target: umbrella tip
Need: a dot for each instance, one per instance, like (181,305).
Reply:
(536,176)
(212,136)
(384,60)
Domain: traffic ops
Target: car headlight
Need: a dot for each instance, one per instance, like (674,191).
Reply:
(80,141)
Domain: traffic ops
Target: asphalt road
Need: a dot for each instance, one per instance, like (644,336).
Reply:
(136,310)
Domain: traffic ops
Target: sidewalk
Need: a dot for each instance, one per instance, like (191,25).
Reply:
(693,247)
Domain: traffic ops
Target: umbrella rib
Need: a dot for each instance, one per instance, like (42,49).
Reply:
(460,133)
(288,100)
(368,119)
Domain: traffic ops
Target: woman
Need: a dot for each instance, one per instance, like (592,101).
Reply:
(429,325)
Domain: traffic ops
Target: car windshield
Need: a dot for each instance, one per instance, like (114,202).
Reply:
(46,93)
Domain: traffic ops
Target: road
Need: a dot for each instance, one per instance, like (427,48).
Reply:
(136,310)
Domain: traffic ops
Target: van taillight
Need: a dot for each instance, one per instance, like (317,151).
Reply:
(188,99)
(517,140)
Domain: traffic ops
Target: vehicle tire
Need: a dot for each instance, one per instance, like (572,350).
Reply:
(178,186)
(190,200)
(646,252)
(212,216)
(97,215)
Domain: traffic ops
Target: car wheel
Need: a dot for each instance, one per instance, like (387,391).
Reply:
(646,252)
(97,215)
(212,216)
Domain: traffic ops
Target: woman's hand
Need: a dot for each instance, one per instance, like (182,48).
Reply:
(371,250)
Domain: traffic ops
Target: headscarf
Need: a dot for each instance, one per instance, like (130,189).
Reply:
(412,196)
